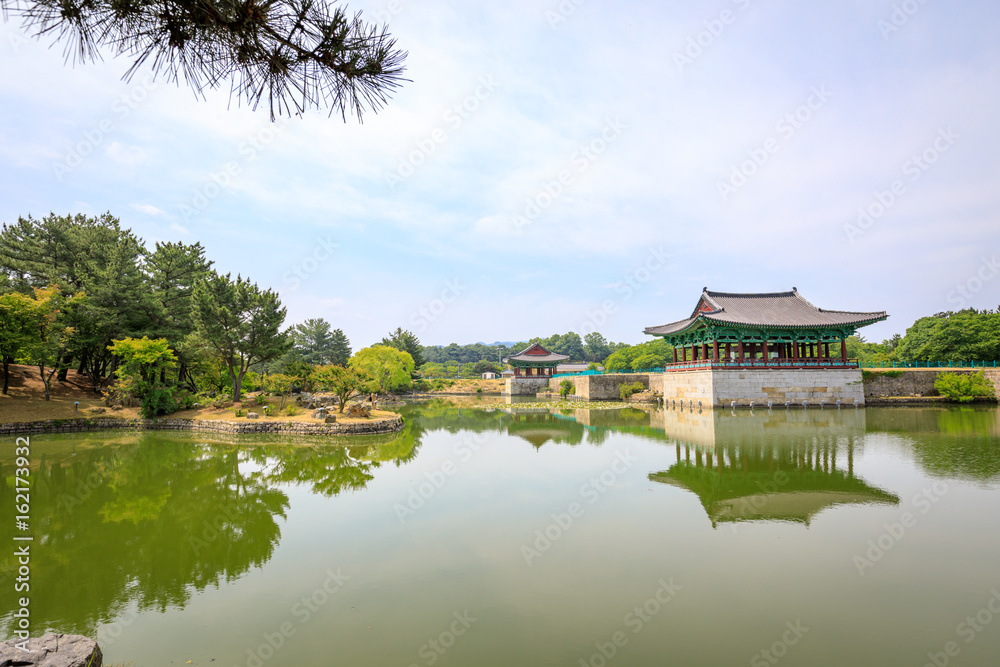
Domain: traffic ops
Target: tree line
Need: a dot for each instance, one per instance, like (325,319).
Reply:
(85,293)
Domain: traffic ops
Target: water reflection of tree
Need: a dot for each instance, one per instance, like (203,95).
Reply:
(145,524)
(954,442)
(154,522)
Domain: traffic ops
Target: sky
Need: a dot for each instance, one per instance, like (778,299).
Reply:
(556,166)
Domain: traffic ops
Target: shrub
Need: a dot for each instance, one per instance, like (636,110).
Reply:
(158,400)
(626,390)
(566,388)
(291,410)
(964,388)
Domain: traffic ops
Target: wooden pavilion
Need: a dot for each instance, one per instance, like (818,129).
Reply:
(535,361)
(765,330)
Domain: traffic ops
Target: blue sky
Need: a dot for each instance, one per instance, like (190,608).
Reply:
(557,166)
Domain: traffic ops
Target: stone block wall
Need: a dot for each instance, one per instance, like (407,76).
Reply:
(599,387)
(780,385)
(918,382)
(684,386)
(526,386)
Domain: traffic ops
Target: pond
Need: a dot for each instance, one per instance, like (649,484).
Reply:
(546,535)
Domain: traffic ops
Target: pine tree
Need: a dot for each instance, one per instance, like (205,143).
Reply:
(290,54)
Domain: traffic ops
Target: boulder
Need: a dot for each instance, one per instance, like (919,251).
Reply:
(358,410)
(253,415)
(95,410)
(331,419)
(52,650)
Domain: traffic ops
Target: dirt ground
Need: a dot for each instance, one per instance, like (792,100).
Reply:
(25,402)
(470,386)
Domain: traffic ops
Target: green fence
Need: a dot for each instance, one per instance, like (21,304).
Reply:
(934,364)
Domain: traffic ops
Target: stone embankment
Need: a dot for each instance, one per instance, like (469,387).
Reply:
(916,386)
(167,424)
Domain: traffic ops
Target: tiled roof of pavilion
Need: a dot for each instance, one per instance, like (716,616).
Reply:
(773,309)
(535,354)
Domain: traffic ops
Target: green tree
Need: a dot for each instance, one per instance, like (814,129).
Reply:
(387,368)
(346,383)
(288,55)
(595,348)
(93,255)
(484,366)
(141,372)
(17,317)
(171,271)
(340,348)
(407,342)
(316,344)
(240,322)
(51,337)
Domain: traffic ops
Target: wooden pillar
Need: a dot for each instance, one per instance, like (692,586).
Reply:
(826,350)
(764,352)
(819,351)
(729,351)
(715,351)
(739,351)
(675,355)
(704,351)
(843,350)
(795,350)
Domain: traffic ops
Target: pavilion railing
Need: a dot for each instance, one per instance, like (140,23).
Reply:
(746,363)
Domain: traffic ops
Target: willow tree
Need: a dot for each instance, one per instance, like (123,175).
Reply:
(290,54)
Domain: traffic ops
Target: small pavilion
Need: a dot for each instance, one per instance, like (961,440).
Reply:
(776,329)
(535,361)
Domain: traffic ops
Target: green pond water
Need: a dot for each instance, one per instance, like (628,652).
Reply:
(525,536)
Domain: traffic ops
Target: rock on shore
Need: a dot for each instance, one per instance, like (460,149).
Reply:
(51,650)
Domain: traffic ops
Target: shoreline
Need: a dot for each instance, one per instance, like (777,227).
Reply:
(388,425)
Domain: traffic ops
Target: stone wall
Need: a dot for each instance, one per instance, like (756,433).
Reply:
(525,386)
(599,387)
(167,424)
(917,382)
(684,386)
(780,385)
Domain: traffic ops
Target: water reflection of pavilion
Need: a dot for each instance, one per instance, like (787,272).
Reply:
(780,465)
